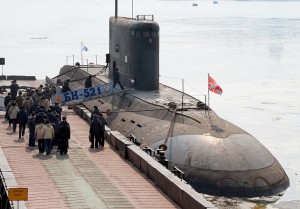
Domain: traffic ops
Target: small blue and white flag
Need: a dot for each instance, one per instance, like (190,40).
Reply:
(83,47)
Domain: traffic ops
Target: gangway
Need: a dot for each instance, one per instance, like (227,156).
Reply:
(76,96)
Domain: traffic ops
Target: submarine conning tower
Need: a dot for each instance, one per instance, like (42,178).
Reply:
(134,46)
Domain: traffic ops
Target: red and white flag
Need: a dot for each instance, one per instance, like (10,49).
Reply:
(213,86)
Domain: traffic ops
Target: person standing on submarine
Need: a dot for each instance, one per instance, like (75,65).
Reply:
(116,76)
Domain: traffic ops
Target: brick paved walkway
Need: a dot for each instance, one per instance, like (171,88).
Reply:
(85,178)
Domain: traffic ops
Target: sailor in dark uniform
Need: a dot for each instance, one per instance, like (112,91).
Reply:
(66,87)
(88,82)
(116,76)
(14,87)
(64,135)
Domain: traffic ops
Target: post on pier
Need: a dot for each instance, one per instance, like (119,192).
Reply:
(17,194)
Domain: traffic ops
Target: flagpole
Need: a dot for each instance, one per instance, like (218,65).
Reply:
(208,92)
(81,53)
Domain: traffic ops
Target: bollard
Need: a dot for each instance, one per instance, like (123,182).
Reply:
(161,158)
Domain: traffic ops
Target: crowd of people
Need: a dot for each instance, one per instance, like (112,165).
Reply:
(45,123)
(33,110)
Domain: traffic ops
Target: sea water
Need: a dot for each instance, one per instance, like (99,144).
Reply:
(251,48)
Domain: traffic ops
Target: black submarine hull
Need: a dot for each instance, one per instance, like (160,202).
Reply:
(217,157)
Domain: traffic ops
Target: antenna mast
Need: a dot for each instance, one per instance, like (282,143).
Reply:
(116,9)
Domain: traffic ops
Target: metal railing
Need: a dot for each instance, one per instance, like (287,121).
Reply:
(145,17)
(5,203)
(160,157)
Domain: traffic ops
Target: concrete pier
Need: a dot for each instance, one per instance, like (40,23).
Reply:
(120,175)
(85,178)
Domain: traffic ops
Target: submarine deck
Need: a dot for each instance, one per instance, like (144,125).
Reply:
(186,104)
(85,178)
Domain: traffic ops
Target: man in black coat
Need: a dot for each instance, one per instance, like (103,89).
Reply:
(14,87)
(31,127)
(41,115)
(116,76)
(102,123)
(64,135)
(22,118)
(66,86)
(94,132)
(88,82)
(7,99)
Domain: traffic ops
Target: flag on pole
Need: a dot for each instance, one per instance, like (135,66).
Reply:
(83,47)
(213,86)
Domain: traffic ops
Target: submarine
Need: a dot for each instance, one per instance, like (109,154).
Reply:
(217,157)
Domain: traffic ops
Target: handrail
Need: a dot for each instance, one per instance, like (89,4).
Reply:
(5,202)
(177,172)
(145,17)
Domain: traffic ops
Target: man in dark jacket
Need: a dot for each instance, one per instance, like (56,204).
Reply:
(41,115)
(51,115)
(64,135)
(31,127)
(34,107)
(55,141)
(102,123)
(116,76)
(20,99)
(94,132)
(66,87)
(95,112)
(14,87)
(22,118)
(7,99)
(58,110)
(47,93)
(88,82)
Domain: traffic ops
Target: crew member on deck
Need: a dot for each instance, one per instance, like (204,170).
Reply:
(116,76)
(66,87)
(88,82)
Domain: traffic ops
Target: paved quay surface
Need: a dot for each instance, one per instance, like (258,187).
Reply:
(84,178)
